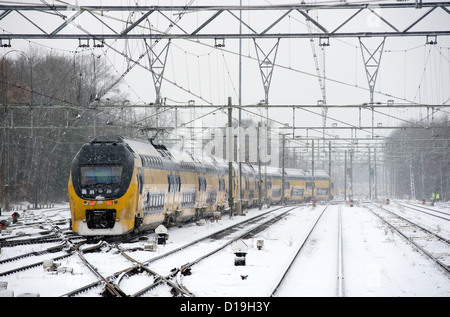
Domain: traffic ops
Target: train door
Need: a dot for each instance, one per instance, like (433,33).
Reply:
(201,203)
(173,191)
(308,189)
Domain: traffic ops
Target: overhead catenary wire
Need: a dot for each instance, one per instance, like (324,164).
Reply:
(223,55)
(294,70)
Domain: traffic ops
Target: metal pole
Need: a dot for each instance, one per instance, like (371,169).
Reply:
(36,173)
(375,173)
(370,177)
(230,157)
(351,174)
(345,176)
(312,171)
(259,169)
(240,113)
(282,171)
(329,169)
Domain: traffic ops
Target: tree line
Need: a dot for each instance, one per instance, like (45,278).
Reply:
(51,104)
(419,152)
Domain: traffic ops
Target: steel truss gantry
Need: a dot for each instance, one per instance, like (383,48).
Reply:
(35,21)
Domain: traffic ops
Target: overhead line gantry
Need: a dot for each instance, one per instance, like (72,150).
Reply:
(123,29)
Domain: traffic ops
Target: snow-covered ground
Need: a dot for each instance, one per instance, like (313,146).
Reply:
(376,261)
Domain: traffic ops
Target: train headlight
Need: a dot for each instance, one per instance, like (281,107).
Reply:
(109,202)
(92,203)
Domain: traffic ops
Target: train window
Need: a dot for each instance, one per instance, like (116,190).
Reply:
(211,198)
(221,184)
(91,175)
(154,201)
(188,166)
(143,160)
(174,183)
(188,199)
(169,180)
(287,185)
(179,183)
(202,184)
(297,192)
(276,192)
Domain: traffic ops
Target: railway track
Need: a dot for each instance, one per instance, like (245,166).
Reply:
(288,274)
(208,246)
(41,237)
(196,260)
(427,210)
(429,243)
(111,284)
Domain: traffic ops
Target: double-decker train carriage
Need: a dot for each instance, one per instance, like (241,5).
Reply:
(323,185)
(118,185)
(294,185)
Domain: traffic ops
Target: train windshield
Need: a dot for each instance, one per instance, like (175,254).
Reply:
(91,175)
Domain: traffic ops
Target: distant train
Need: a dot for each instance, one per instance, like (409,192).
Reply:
(117,186)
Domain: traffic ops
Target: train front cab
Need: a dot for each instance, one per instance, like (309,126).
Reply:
(103,198)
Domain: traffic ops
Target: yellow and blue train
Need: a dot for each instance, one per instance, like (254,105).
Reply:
(118,185)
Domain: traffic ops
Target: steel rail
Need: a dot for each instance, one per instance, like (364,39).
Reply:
(29,266)
(410,239)
(423,228)
(294,257)
(340,273)
(119,274)
(111,288)
(160,278)
(428,213)
(187,266)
